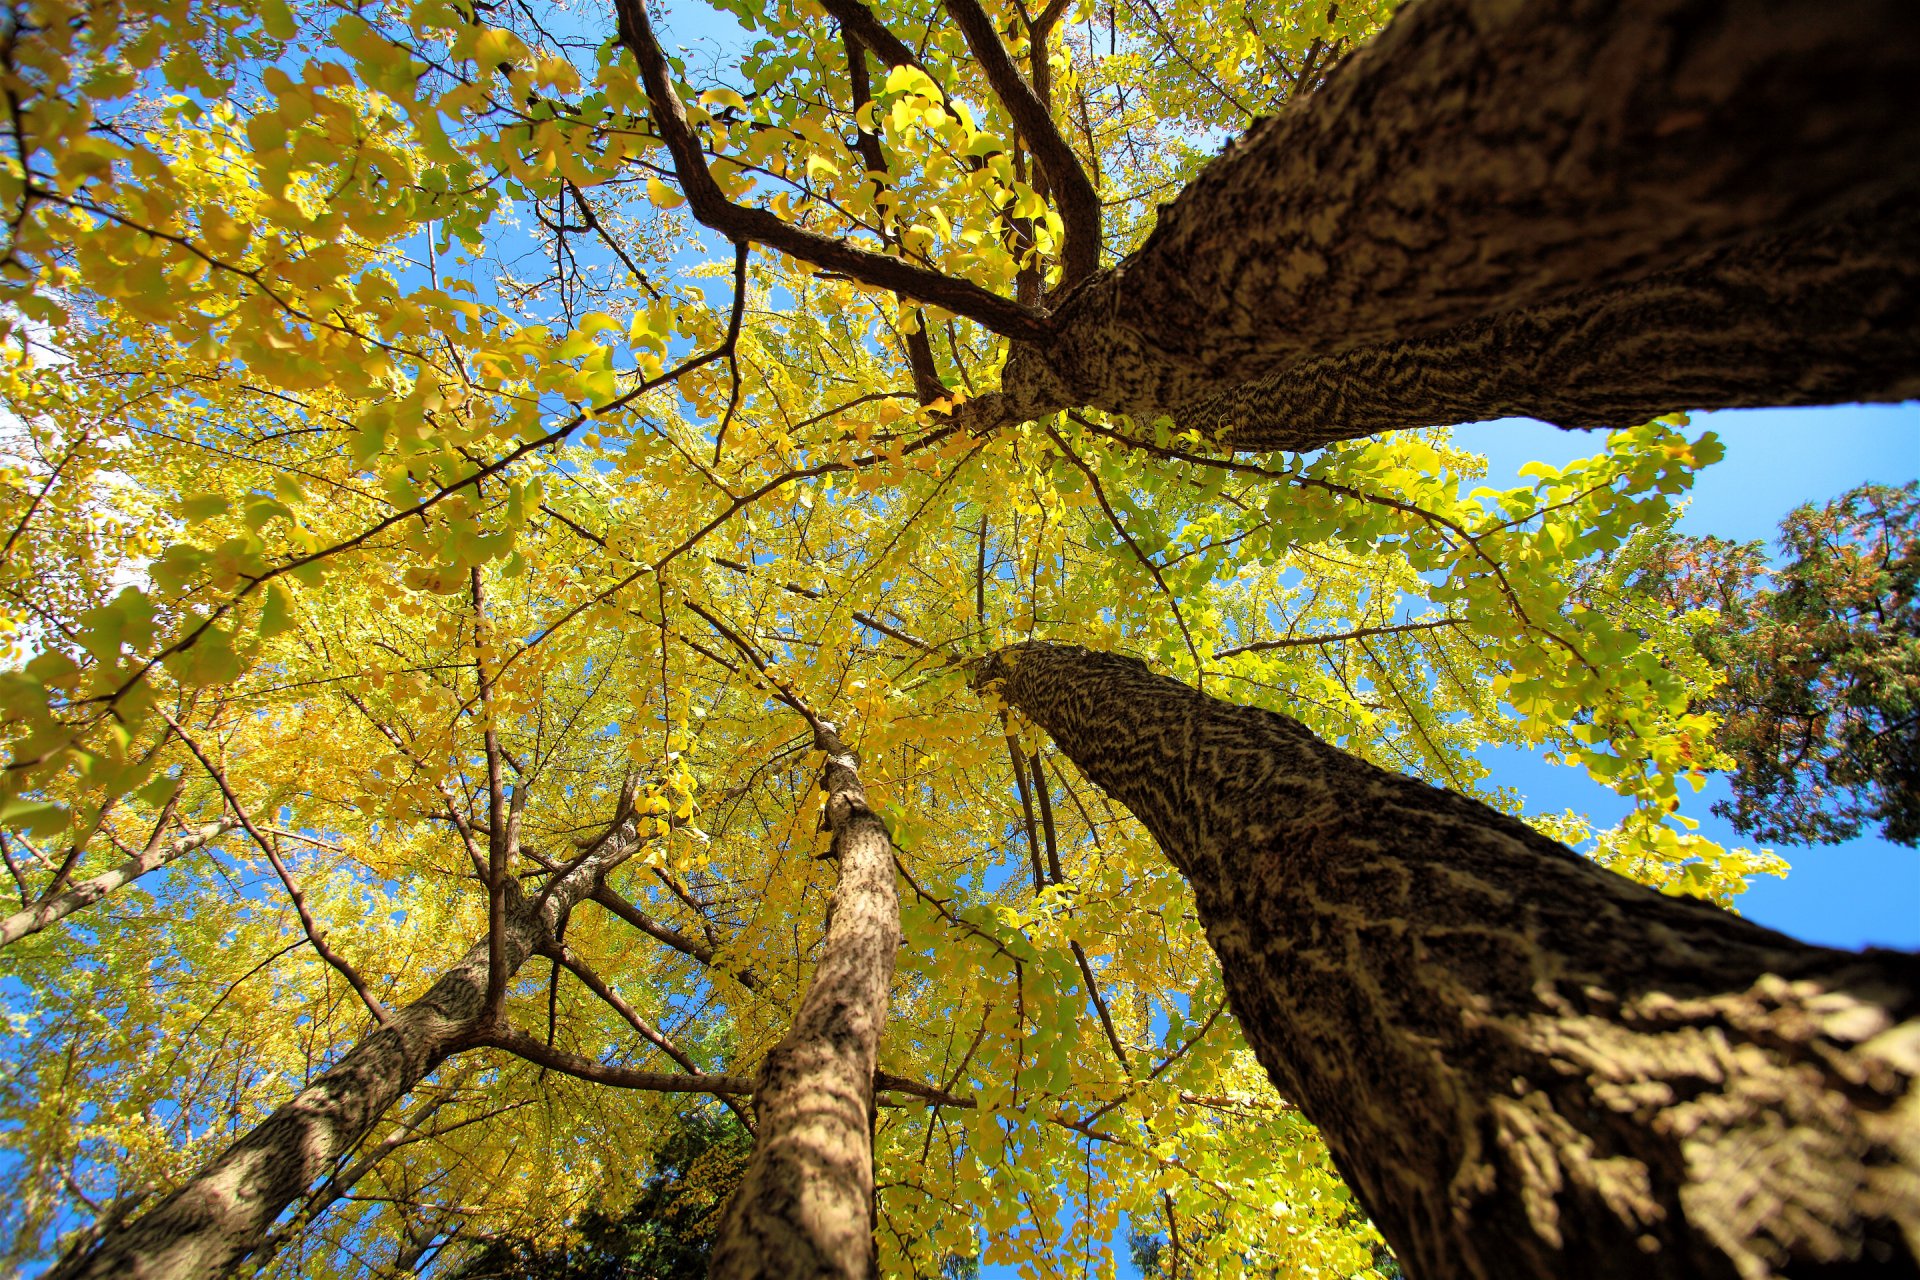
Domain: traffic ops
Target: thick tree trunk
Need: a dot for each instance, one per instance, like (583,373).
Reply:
(1524,1064)
(1823,316)
(805,1205)
(225,1211)
(1507,207)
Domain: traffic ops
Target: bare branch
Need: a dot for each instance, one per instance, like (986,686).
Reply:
(1301,642)
(522,1045)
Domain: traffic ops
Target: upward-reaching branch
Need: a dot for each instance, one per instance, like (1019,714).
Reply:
(223,1212)
(1079,203)
(859,21)
(316,936)
(498,855)
(158,853)
(743,222)
(806,1204)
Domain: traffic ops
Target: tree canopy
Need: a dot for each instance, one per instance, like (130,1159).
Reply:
(436,432)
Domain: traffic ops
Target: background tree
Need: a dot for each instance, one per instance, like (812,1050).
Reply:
(666,1232)
(1819,705)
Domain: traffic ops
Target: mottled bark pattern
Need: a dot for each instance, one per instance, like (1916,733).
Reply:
(805,1206)
(1524,1064)
(1484,158)
(226,1209)
(1826,315)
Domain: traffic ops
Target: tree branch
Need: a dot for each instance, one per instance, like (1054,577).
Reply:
(48,910)
(741,222)
(1079,203)
(522,1045)
(315,935)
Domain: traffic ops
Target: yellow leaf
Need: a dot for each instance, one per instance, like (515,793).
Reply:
(663,195)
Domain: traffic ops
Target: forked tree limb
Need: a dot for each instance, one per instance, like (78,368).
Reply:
(747,223)
(1483,157)
(860,21)
(1587,211)
(225,1210)
(1079,202)
(50,910)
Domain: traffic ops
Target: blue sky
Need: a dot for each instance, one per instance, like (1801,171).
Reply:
(1866,892)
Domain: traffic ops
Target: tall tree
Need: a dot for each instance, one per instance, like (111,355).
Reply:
(1546,185)
(380,424)
(1523,1063)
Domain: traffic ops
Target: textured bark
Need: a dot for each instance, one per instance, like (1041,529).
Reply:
(226,1209)
(1826,315)
(1524,1065)
(1486,156)
(57,908)
(805,1206)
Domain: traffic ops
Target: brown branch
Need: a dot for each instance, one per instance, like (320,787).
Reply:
(1100,1006)
(498,855)
(612,902)
(522,1045)
(1079,203)
(55,907)
(1301,642)
(859,20)
(1026,809)
(594,983)
(741,222)
(732,344)
(1151,566)
(594,224)
(579,968)
(1045,794)
(821,728)
(865,619)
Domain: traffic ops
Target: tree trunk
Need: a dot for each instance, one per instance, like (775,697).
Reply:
(226,1209)
(805,1205)
(1822,316)
(1525,205)
(1523,1064)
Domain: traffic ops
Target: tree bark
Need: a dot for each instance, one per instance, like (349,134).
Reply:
(1484,158)
(805,1206)
(1825,315)
(1592,211)
(226,1209)
(1523,1064)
